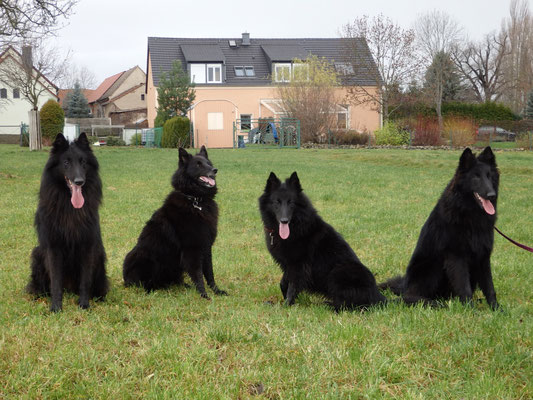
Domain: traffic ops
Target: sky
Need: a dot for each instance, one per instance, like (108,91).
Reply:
(110,36)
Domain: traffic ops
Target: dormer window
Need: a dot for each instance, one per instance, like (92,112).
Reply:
(239,71)
(206,73)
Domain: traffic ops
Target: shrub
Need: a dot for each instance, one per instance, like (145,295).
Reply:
(176,132)
(392,135)
(460,132)
(350,138)
(136,140)
(525,140)
(52,121)
(115,141)
(426,132)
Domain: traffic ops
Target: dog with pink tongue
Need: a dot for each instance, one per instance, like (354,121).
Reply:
(313,256)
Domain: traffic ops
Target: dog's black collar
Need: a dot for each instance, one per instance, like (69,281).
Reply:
(195,201)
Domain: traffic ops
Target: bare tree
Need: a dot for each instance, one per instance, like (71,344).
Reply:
(518,65)
(481,63)
(395,60)
(76,74)
(24,19)
(32,72)
(311,96)
(437,33)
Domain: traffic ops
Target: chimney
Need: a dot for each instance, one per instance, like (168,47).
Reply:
(245,39)
(27,60)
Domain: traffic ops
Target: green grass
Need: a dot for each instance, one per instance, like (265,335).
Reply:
(172,344)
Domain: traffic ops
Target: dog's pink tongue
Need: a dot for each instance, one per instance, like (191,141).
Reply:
(487,206)
(284,230)
(77,199)
(209,180)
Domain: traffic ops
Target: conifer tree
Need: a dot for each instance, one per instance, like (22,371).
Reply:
(175,94)
(77,104)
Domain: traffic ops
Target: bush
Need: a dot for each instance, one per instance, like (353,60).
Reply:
(524,140)
(461,131)
(426,132)
(52,121)
(391,135)
(115,141)
(176,133)
(350,138)
(136,140)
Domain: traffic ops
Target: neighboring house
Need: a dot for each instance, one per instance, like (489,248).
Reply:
(120,97)
(14,107)
(237,78)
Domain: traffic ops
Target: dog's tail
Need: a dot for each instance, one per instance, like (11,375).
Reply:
(396,285)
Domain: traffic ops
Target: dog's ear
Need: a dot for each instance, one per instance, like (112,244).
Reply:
(272,183)
(487,156)
(184,157)
(82,141)
(467,160)
(294,181)
(60,143)
(203,152)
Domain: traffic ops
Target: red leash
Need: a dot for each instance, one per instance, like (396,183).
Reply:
(523,246)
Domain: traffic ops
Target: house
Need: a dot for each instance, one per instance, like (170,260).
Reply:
(120,97)
(14,107)
(235,79)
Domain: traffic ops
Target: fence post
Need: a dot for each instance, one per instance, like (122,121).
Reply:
(451,139)
(410,138)
(233,134)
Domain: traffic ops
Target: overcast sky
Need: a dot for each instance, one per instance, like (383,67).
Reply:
(110,36)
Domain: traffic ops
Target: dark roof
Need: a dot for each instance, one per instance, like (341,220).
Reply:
(260,54)
(202,53)
(284,52)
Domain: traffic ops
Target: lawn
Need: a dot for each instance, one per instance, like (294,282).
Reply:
(172,344)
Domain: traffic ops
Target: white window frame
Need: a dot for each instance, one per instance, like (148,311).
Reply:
(302,66)
(214,67)
(215,121)
(282,66)
(198,73)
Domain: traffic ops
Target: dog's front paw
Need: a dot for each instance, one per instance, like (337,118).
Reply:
(205,296)
(220,292)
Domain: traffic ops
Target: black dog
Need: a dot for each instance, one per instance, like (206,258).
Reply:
(312,255)
(179,236)
(70,254)
(452,256)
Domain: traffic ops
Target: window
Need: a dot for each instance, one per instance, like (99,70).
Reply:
(282,72)
(344,68)
(342,116)
(300,72)
(215,121)
(246,122)
(197,73)
(242,71)
(3,93)
(249,71)
(16,93)
(142,97)
(214,73)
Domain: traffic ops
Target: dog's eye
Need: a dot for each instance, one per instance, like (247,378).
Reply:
(198,163)
(66,163)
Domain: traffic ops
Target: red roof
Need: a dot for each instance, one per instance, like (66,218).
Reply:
(104,86)
(62,94)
